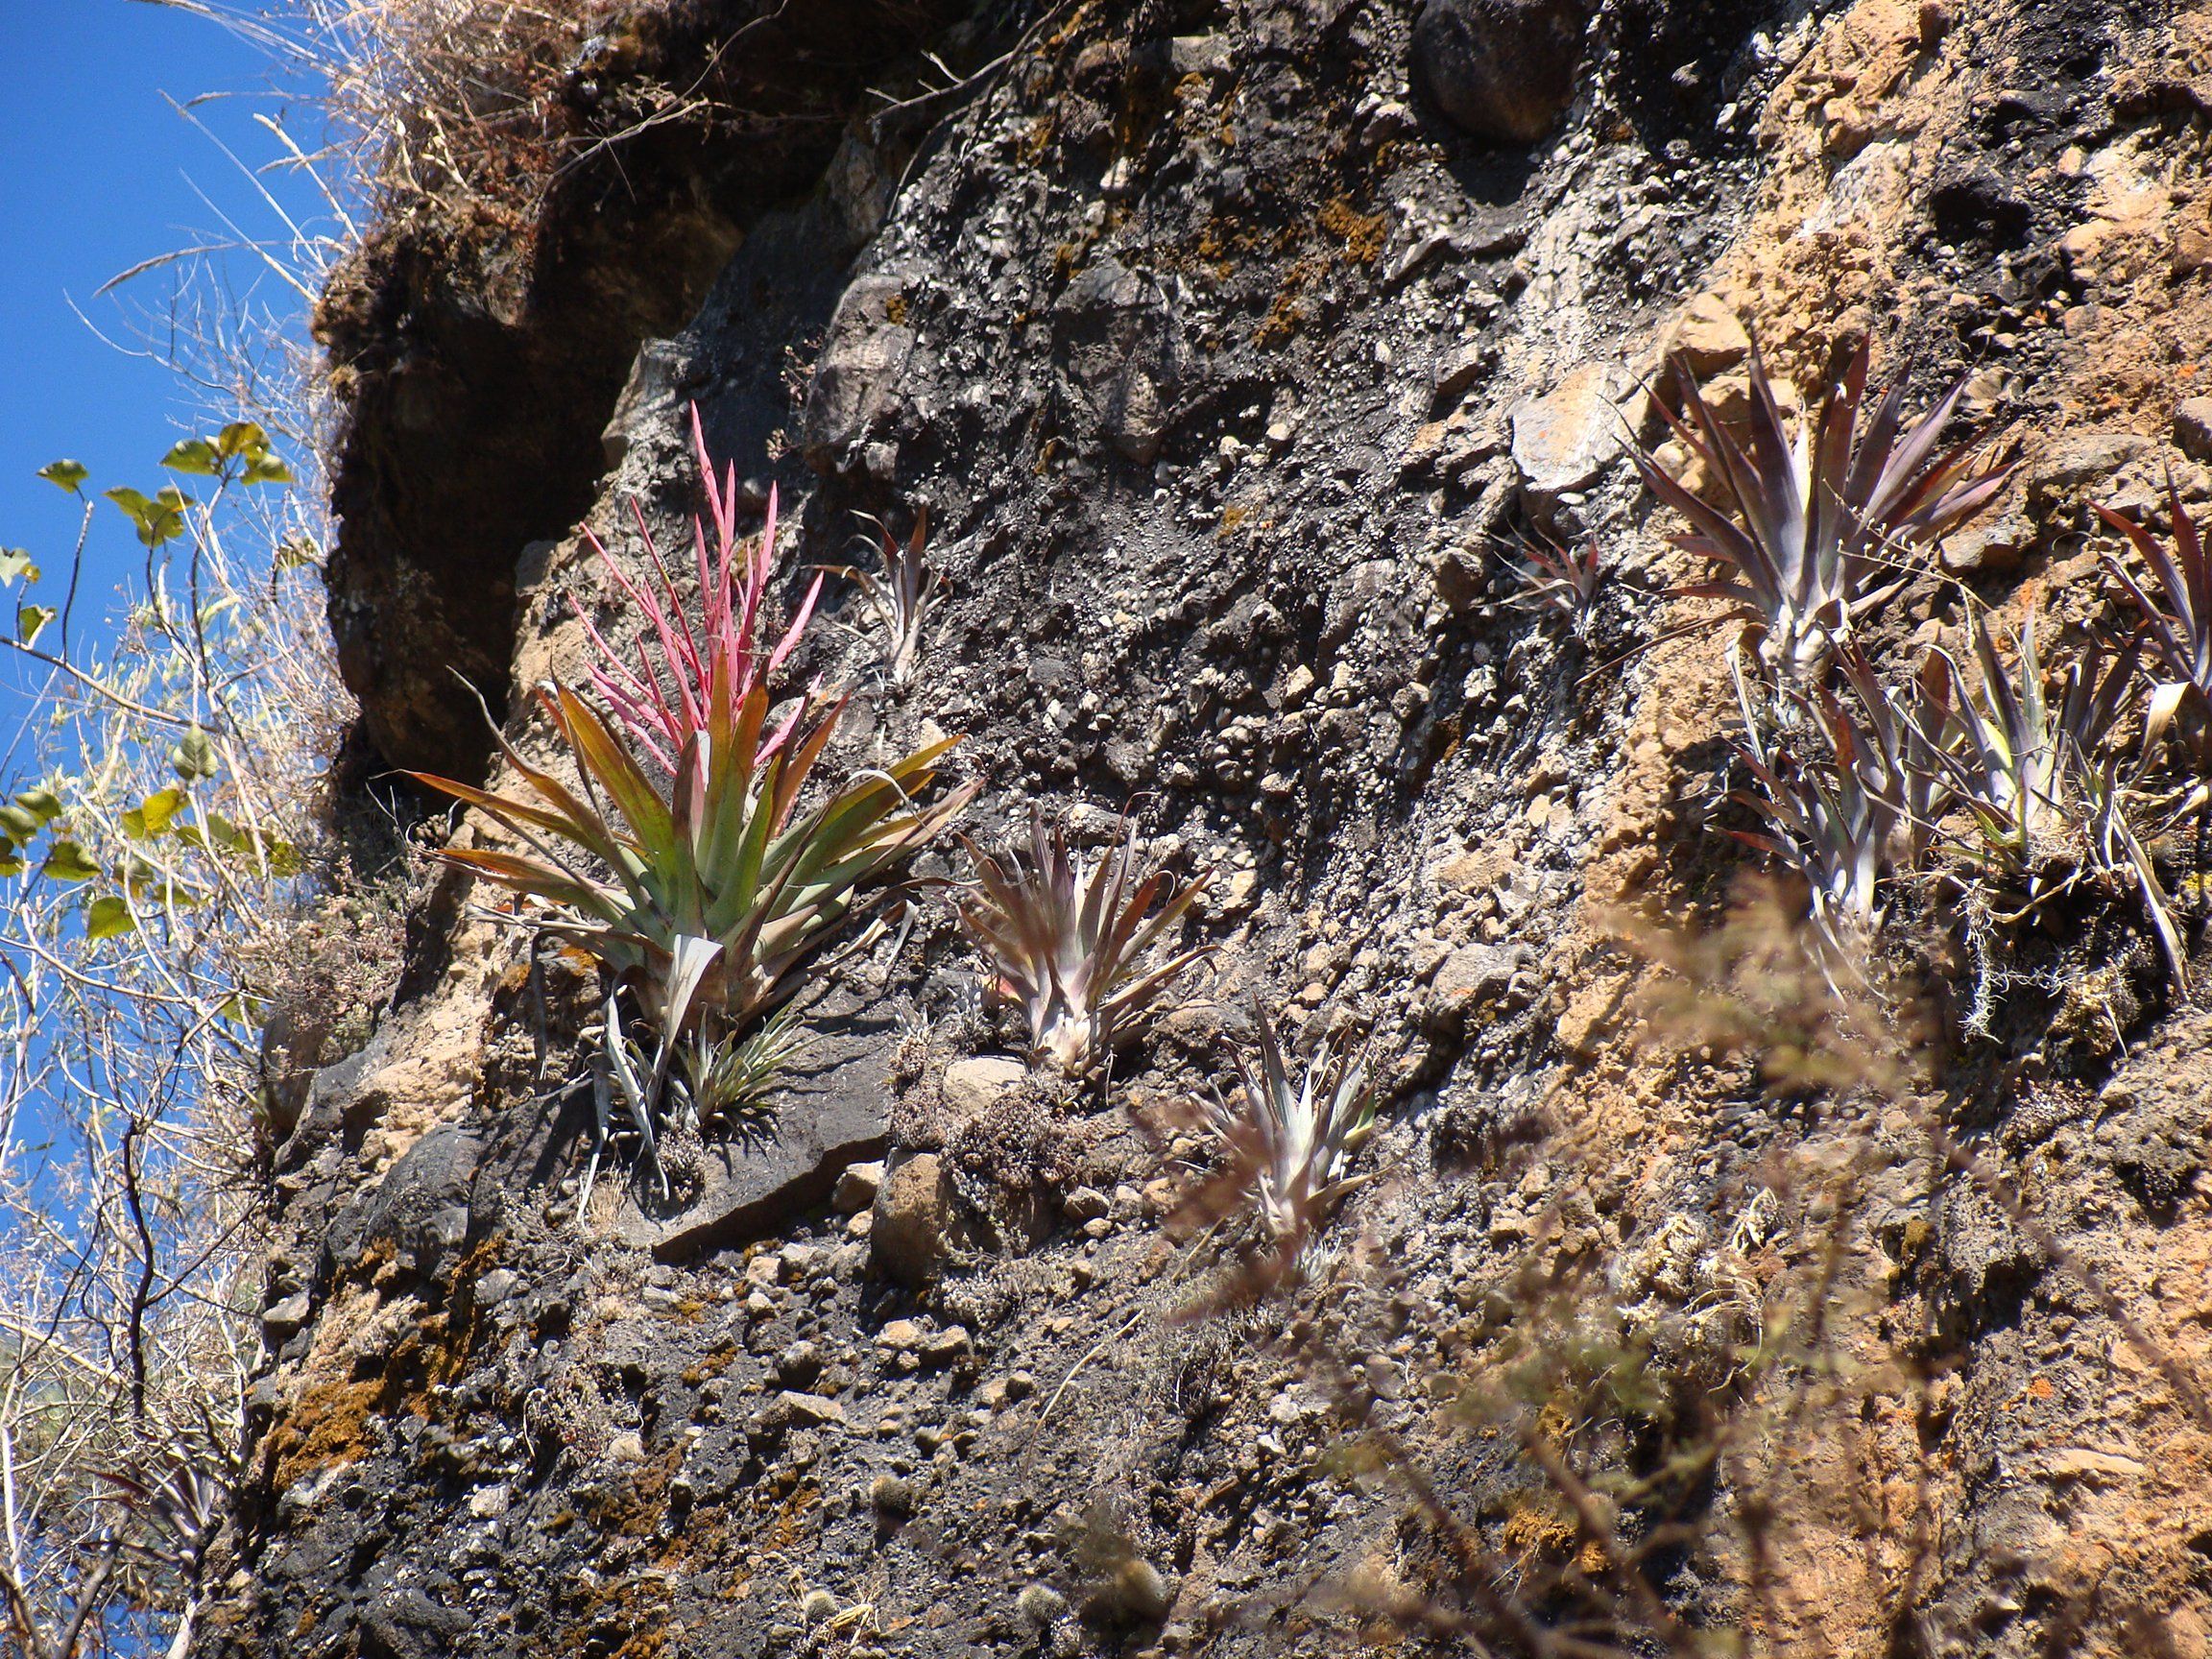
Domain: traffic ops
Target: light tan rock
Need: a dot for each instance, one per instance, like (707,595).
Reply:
(912,1233)
(973,1086)
(1710,335)
(1568,437)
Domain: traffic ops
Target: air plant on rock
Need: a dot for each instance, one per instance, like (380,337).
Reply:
(901,600)
(1810,527)
(667,695)
(708,899)
(1841,807)
(1074,943)
(2010,757)
(2028,772)
(730,1079)
(1563,581)
(1289,1148)
(2178,621)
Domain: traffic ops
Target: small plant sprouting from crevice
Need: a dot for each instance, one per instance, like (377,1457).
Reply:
(2010,758)
(730,1082)
(1288,1148)
(1073,941)
(1563,581)
(1832,814)
(900,601)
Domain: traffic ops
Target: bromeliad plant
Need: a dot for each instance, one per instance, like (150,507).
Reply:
(1810,528)
(1289,1147)
(2179,623)
(686,859)
(1074,945)
(1839,820)
(901,600)
(661,703)
(1563,581)
(708,898)
(2011,758)
(2028,773)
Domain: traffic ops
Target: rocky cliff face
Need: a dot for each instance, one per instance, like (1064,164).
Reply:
(1221,340)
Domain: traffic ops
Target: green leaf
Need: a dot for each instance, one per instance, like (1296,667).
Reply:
(242,438)
(243,1007)
(41,803)
(279,856)
(108,917)
(194,755)
(67,861)
(296,553)
(64,475)
(266,469)
(31,621)
(152,816)
(16,563)
(159,519)
(193,455)
(30,813)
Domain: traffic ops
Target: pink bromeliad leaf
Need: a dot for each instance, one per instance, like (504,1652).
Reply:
(667,696)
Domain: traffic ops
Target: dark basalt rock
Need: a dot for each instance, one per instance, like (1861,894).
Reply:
(1500,69)
(834,1112)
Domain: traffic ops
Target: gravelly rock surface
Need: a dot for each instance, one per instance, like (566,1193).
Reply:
(1221,356)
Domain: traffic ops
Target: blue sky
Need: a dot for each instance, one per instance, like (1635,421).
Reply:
(97,174)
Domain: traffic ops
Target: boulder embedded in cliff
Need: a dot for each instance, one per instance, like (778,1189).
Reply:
(1124,355)
(1709,335)
(1500,69)
(833,1112)
(911,1233)
(867,347)
(2193,428)
(1565,438)
(975,1084)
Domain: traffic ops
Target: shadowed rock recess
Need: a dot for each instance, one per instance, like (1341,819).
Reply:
(1227,343)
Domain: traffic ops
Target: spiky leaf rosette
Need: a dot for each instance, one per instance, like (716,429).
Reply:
(900,599)
(1562,580)
(2179,621)
(1810,526)
(1291,1145)
(668,695)
(717,893)
(1074,945)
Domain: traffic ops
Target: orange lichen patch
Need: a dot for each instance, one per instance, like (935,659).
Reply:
(1362,234)
(325,1427)
(1538,1528)
(713,1363)
(790,1522)
(634,1508)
